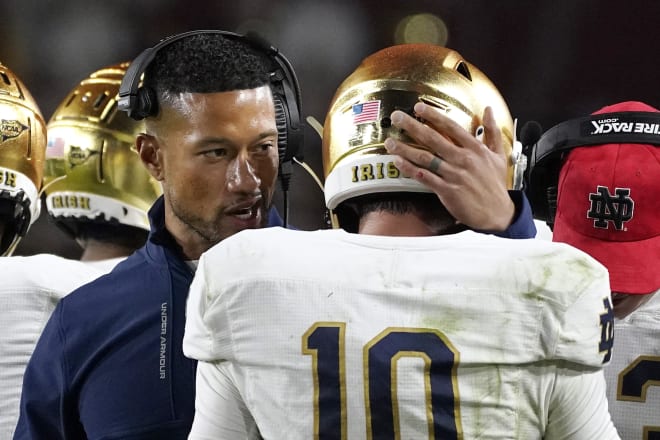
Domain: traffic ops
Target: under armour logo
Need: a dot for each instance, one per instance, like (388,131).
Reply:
(606,208)
(606,331)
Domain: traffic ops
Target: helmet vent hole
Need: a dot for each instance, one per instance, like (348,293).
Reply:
(5,78)
(29,146)
(100,174)
(71,99)
(100,99)
(462,68)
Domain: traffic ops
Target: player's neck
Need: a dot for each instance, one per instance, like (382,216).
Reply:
(98,250)
(395,225)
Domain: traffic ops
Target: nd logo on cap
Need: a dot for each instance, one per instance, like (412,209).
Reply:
(609,209)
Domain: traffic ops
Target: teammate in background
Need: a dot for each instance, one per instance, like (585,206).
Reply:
(22,156)
(22,153)
(98,192)
(606,175)
(415,327)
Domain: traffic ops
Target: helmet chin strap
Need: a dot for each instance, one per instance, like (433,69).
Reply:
(12,247)
(518,159)
(44,187)
(318,128)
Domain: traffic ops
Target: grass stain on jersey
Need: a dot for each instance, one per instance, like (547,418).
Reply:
(553,271)
(446,324)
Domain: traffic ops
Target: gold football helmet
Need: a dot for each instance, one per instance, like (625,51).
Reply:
(93,172)
(355,161)
(22,147)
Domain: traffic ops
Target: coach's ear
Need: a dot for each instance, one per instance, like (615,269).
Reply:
(150,154)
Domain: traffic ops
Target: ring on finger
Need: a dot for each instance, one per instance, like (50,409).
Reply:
(434,166)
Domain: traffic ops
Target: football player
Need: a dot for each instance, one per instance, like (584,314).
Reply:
(416,326)
(605,170)
(22,151)
(97,191)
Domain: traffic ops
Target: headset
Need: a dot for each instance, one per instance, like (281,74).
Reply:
(545,156)
(141,102)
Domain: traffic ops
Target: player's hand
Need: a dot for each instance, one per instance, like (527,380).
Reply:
(468,175)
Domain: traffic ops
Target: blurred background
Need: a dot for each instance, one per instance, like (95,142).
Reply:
(551,60)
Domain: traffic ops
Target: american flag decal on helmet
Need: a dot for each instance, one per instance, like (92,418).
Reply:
(366,112)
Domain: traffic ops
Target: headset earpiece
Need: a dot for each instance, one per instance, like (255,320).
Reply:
(282,132)
(146,103)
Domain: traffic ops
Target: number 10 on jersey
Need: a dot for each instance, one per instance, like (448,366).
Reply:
(325,342)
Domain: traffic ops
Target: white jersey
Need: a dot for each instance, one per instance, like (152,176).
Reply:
(30,288)
(328,334)
(543,231)
(633,376)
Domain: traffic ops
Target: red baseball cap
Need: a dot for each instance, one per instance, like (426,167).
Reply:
(608,205)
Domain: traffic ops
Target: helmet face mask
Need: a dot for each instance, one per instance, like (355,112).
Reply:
(93,172)
(355,161)
(22,149)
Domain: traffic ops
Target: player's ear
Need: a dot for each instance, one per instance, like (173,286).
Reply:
(150,153)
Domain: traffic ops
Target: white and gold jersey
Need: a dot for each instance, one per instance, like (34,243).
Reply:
(333,335)
(29,291)
(543,231)
(633,375)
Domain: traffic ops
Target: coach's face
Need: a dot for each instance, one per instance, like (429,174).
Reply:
(216,157)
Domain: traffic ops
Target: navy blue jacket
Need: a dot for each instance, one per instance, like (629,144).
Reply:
(523,223)
(109,364)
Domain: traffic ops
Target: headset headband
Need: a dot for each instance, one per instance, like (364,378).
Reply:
(128,90)
(600,129)
(282,79)
(130,84)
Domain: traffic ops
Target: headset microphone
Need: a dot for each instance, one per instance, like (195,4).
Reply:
(530,133)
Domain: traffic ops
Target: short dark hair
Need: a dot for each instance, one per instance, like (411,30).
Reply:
(206,63)
(426,205)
